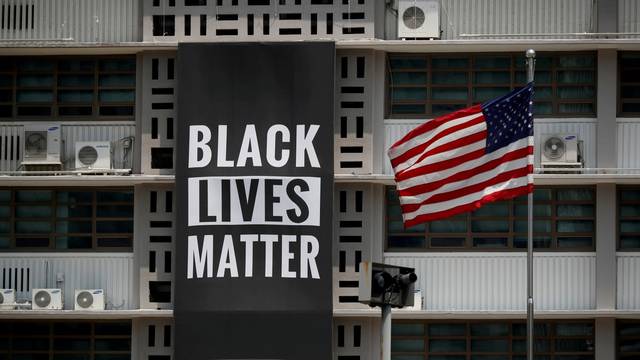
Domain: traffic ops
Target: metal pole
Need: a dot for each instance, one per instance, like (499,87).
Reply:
(385,330)
(531,62)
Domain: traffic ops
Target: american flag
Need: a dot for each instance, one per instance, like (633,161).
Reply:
(458,162)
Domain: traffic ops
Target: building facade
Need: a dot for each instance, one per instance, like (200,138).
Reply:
(105,72)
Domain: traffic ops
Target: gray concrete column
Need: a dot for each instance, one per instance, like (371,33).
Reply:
(379,93)
(605,338)
(606,144)
(606,272)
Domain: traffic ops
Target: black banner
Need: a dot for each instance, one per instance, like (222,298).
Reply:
(254,182)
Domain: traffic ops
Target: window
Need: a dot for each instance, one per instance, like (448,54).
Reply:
(564,219)
(20,339)
(431,85)
(628,219)
(162,158)
(164,25)
(67,87)
(628,339)
(554,340)
(629,84)
(66,219)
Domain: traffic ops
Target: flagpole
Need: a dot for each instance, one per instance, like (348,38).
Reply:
(531,62)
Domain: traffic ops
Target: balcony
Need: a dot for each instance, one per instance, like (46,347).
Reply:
(628,284)
(32,22)
(109,271)
(120,135)
(628,153)
(470,281)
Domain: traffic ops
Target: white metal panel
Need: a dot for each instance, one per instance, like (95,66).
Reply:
(584,128)
(628,144)
(112,272)
(79,20)
(394,130)
(628,16)
(515,17)
(628,281)
(11,138)
(115,133)
(497,281)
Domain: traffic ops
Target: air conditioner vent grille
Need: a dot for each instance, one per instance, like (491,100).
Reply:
(413,17)
(88,155)
(35,146)
(418,19)
(42,299)
(93,155)
(85,299)
(554,148)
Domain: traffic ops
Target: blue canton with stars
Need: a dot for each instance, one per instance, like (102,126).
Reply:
(509,118)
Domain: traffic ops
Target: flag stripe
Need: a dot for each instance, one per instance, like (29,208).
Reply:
(456,144)
(472,197)
(436,134)
(460,191)
(450,167)
(430,125)
(498,195)
(448,139)
(444,160)
(500,164)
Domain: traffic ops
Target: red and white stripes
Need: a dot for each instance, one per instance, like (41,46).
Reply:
(442,167)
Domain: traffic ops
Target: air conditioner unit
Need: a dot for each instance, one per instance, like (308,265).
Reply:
(46,299)
(90,300)
(41,145)
(418,19)
(7,299)
(93,155)
(559,151)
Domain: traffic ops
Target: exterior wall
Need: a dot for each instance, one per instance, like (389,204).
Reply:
(628,16)
(116,133)
(517,17)
(606,107)
(356,109)
(628,146)
(628,284)
(605,345)
(9,158)
(357,238)
(12,134)
(584,128)
(471,281)
(70,20)
(154,233)
(287,21)
(152,339)
(454,282)
(161,107)
(113,272)
(354,112)
(606,244)
(356,339)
